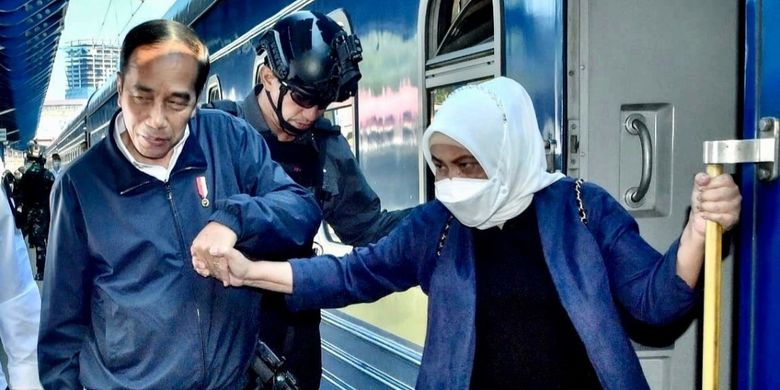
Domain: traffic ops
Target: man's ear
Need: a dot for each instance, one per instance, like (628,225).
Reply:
(267,77)
(119,89)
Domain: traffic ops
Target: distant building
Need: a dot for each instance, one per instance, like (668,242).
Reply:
(55,116)
(13,159)
(88,64)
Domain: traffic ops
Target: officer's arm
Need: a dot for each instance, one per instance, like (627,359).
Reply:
(356,213)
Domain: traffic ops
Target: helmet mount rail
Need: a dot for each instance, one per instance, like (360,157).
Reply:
(312,55)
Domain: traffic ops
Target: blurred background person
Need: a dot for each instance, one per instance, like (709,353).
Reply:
(56,164)
(33,194)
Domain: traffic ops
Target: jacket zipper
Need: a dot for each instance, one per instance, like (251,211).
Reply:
(169,195)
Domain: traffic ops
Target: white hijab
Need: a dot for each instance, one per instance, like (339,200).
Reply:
(496,122)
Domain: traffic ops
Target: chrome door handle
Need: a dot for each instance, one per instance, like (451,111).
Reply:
(635,125)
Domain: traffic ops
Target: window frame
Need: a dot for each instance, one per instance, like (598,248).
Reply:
(213,84)
(483,60)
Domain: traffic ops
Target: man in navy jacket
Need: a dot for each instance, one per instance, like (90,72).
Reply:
(122,307)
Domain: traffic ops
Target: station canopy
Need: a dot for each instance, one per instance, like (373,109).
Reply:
(29,34)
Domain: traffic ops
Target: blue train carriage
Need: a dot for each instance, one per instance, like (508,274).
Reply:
(690,71)
(89,126)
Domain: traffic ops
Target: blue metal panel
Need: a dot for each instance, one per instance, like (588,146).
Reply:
(366,356)
(227,21)
(235,72)
(398,17)
(759,355)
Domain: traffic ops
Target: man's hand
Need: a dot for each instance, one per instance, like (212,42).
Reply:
(231,267)
(213,240)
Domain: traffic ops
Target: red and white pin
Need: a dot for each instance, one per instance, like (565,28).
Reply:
(203,190)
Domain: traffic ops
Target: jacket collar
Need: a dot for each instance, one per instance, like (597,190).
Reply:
(129,178)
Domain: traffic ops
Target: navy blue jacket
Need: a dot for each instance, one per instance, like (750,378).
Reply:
(123,307)
(596,269)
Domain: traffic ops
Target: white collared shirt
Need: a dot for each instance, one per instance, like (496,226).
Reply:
(158,172)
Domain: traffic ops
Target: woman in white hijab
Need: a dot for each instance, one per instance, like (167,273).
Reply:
(528,281)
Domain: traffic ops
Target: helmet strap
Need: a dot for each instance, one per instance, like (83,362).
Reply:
(286,126)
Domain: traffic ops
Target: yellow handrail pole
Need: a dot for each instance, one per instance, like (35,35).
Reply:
(712,282)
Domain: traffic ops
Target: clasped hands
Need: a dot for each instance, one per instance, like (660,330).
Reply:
(213,254)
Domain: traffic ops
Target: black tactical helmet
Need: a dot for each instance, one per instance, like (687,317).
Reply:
(313,56)
(33,151)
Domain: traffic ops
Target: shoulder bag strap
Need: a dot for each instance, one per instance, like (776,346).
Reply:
(580,204)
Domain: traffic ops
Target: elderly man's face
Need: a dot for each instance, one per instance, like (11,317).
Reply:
(157,96)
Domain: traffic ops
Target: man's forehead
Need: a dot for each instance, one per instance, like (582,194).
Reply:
(146,53)
(139,87)
(162,67)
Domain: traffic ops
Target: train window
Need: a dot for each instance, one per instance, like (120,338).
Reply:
(342,114)
(438,95)
(214,89)
(462,46)
(460,24)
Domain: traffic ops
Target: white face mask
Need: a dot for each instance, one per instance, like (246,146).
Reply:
(471,201)
(496,122)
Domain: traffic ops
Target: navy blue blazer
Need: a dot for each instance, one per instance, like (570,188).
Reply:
(595,268)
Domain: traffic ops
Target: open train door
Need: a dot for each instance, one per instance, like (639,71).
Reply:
(676,66)
(759,249)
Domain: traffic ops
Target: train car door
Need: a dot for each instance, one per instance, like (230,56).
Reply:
(759,267)
(674,65)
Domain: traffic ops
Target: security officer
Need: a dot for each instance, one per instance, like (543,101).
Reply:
(56,164)
(310,62)
(34,189)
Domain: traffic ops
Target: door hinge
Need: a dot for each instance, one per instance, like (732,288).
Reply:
(765,150)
